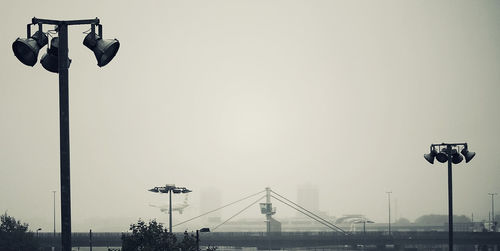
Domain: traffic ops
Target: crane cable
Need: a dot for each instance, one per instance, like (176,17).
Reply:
(217,209)
(239,212)
(324,221)
(305,214)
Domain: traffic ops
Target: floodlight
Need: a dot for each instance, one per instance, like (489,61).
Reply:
(104,49)
(430,156)
(456,157)
(442,156)
(468,155)
(26,49)
(154,190)
(50,60)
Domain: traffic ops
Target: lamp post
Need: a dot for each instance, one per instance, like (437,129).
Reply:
(492,223)
(389,200)
(37,231)
(449,153)
(364,221)
(169,188)
(203,230)
(56,60)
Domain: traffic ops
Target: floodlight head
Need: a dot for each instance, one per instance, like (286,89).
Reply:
(26,49)
(104,49)
(185,190)
(468,155)
(430,156)
(50,60)
(442,156)
(154,190)
(456,157)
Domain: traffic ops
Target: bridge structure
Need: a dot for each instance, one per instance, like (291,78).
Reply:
(264,240)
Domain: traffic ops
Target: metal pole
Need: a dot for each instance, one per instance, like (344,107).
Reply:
(54,239)
(64,137)
(90,239)
(268,210)
(54,199)
(389,200)
(450,201)
(492,209)
(170,210)
(197,240)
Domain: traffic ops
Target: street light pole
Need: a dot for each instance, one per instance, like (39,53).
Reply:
(450,155)
(450,202)
(169,188)
(170,211)
(492,208)
(26,50)
(389,200)
(54,196)
(64,137)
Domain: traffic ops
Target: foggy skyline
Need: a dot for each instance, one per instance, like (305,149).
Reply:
(241,95)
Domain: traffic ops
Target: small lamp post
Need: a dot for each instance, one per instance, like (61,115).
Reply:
(389,207)
(203,230)
(364,221)
(37,231)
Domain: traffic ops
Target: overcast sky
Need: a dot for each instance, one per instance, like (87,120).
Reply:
(235,96)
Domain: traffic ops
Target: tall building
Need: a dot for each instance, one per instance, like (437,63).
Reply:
(210,200)
(308,198)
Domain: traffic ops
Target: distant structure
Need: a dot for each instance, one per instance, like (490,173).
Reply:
(272,225)
(308,197)
(210,199)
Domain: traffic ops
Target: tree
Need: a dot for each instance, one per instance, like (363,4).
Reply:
(437,220)
(402,221)
(14,235)
(153,236)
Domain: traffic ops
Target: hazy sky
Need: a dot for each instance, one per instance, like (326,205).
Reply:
(239,95)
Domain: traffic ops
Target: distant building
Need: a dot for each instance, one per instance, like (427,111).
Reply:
(308,197)
(210,200)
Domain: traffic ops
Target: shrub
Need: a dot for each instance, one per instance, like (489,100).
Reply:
(153,236)
(14,235)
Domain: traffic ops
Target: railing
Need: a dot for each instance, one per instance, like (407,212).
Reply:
(297,239)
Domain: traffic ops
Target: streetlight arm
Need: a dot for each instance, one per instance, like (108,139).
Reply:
(450,144)
(67,22)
